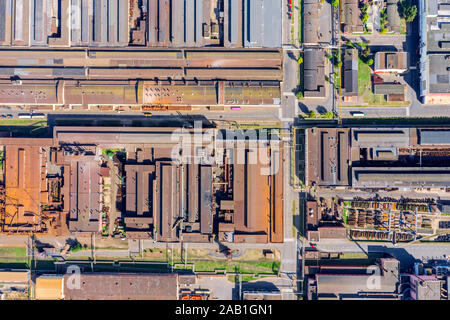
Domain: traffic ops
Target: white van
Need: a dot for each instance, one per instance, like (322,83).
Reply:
(358,114)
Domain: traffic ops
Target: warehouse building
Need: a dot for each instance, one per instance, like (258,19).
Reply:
(400,177)
(350,73)
(107,286)
(378,158)
(314,73)
(327,157)
(151,23)
(350,283)
(351,22)
(434,137)
(175,187)
(316,21)
(434,51)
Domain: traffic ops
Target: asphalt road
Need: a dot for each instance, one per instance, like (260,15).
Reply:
(250,114)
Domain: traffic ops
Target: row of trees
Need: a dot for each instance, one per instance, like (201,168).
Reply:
(313,115)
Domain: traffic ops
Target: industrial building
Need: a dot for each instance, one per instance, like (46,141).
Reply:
(351,22)
(434,51)
(378,158)
(327,156)
(107,286)
(316,19)
(77,79)
(150,23)
(391,62)
(350,73)
(175,188)
(122,286)
(250,188)
(350,283)
(314,73)
(83,54)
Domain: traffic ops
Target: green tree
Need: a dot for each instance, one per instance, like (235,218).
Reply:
(410,13)
(335,3)
(365,18)
(328,115)
(312,114)
(300,60)
(370,62)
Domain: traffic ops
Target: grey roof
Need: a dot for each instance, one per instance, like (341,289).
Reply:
(351,72)
(262,26)
(425,288)
(393,15)
(388,88)
(233,18)
(383,137)
(401,177)
(435,35)
(351,284)
(310,69)
(439,76)
(316,22)
(434,137)
(108,25)
(3,19)
(313,69)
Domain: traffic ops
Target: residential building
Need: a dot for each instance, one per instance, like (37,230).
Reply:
(391,62)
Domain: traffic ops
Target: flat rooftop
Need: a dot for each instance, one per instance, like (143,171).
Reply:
(121,286)
(401,177)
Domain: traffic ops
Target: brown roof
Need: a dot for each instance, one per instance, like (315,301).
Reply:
(13,277)
(23,184)
(121,286)
(352,16)
(49,288)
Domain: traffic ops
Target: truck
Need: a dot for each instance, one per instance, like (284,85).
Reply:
(24,115)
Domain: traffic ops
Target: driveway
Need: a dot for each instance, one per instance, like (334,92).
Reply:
(220,287)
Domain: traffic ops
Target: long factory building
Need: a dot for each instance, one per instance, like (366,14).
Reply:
(57,186)
(135,77)
(378,158)
(149,23)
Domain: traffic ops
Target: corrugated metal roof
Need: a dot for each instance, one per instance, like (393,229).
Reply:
(262,23)
(434,137)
